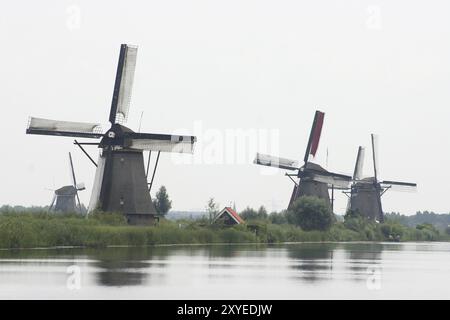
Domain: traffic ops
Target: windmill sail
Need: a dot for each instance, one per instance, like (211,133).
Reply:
(124,84)
(161,142)
(376,167)
(53,202)
(331,178)
(293,196)
(74,181)
(271,161)
(357,174)
(97,187)
(399,186)
(315,134)
(63,128)
(72,172)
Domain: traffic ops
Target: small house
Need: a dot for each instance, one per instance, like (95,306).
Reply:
(228,217)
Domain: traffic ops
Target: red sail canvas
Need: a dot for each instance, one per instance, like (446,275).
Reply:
(317,131)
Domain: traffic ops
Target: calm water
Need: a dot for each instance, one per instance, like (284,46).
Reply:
(293,271)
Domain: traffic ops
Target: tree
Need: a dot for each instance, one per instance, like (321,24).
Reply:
(262,213)
(249,214)
(311,213)
(447,230)
(212,208)
(278,217)
(161,202)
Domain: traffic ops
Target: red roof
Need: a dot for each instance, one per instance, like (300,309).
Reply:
(234,214)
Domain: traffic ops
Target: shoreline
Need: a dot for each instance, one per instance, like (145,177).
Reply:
(224,244)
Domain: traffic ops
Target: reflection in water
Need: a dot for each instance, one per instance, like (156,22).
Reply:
(290,271)
(131,266)
(362,259)
(313,261)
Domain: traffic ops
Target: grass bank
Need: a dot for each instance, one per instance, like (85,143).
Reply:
(31,230)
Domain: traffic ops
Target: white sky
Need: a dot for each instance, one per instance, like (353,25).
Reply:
(371,66)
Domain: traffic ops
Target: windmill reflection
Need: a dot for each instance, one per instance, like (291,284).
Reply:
(127,266)
(361,257)
(313,262)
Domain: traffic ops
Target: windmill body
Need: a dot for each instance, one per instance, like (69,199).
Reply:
(120,183)
(65,199)
(310,187)
(310,179)
(124,186)
(365,199)
(365,193)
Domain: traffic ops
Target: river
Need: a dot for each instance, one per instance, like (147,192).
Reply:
(287,271)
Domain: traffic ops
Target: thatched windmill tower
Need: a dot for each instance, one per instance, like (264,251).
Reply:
(310,179)
(365,193)
(120,183)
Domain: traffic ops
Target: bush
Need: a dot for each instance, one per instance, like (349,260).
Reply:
(111,219)
(311,213)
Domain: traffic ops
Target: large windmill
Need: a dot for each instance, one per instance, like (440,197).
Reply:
(120,183)
(66,199)
(310,179)
(365,193)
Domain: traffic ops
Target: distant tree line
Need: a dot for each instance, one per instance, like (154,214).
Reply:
(314,214)
(439,221)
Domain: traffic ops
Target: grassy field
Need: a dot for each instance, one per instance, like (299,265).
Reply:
(32,230)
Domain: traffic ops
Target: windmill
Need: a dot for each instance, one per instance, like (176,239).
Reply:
(120,183)
(365,193)
(66,198)
(310,179)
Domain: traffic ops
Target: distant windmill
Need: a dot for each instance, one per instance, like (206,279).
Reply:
(120,183)
(365,193)
(310,179)
(66,198)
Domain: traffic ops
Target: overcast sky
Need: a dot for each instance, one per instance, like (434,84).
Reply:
(218,68)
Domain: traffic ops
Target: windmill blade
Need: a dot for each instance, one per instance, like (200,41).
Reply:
(78,200)
(331,178)
(74,181)
(94,201)
(63,128)
(314,136)
(375,156)
(160,142)
(271,161)
(399,186)
(72,172)
(357,174)
(293,196)
(124,84)
(52,203)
